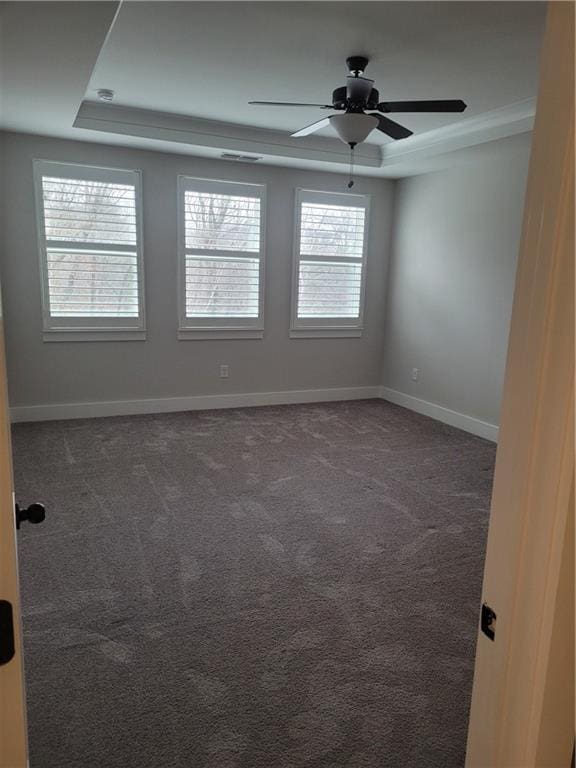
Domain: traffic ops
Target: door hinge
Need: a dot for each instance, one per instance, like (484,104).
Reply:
(7,646)
(488,621)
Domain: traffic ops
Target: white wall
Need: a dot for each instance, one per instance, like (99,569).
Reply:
(162,367)
(455,236)
(455,241)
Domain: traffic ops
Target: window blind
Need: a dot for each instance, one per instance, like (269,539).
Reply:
(331,230)
(330,256)
(221,287)
(91,254)
(92,283)
(222,254)
(329,290)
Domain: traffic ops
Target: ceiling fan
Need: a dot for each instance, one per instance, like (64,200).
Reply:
(357,96)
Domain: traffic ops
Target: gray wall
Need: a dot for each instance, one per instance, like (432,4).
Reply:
(450,286)
(162,366)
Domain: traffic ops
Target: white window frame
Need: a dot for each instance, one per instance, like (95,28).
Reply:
(89,328)
(223,327)
(306,328)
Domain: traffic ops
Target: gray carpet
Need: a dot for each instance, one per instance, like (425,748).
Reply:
(283,587)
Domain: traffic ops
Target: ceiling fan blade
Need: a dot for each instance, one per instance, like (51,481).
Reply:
(390,128)
(317,126)
(446,105)
(358,89)
(289,104)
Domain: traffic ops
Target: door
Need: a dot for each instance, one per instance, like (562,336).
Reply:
(13,747)
(522,712)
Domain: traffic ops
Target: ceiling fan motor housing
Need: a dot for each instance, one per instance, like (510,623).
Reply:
(357,64)
(339,100)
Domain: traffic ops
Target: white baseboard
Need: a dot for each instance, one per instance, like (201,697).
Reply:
(193,403)
(58,411)
(438,412)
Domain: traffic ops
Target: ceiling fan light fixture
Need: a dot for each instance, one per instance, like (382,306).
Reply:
(353,127)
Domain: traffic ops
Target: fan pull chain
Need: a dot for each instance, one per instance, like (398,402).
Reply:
(351,182)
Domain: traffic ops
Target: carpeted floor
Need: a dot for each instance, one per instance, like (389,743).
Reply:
(283,587)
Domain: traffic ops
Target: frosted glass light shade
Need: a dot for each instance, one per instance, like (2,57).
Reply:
(353,127)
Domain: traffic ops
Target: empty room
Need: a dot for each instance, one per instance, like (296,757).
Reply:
(258,265)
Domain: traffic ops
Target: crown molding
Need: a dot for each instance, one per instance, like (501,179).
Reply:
(488,126)
(165,126)
(394,159)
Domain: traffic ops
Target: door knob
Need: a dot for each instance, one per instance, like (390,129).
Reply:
(35,514)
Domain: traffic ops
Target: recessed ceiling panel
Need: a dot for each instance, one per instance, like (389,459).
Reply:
(208,59)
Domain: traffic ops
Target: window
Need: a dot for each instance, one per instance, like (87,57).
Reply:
(329,264)
(89,224)
(221,247)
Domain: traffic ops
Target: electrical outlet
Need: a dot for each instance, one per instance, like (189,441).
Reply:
(224,372)
(415,374)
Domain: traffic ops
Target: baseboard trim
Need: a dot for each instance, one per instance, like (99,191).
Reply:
(440,413)
(58,411)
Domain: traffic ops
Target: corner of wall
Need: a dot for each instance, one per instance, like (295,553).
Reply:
(388,276)
(450,284)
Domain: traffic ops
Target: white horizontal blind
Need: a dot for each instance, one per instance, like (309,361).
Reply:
(91,259)
(92,283)
(221,287)
(330,257)
(329,290)
(222,254)
(331,230)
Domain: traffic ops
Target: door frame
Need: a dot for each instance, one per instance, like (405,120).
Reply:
(515,720)
(522,710)
(13,731)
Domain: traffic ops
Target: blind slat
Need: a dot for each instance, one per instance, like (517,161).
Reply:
(94,236)
(80,216)
(105,259)
(101,293)
(223,291)
(205,213)
(115,209)
(221,237)
(57,309)
(73,224)
(224,275)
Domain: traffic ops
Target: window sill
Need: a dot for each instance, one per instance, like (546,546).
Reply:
(199,334)
(325,333)
(84,334)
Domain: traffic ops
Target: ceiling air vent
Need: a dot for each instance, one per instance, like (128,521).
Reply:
(244,158)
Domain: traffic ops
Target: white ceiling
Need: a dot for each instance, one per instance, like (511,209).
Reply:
(208,59)
(47,54)
(195,61)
